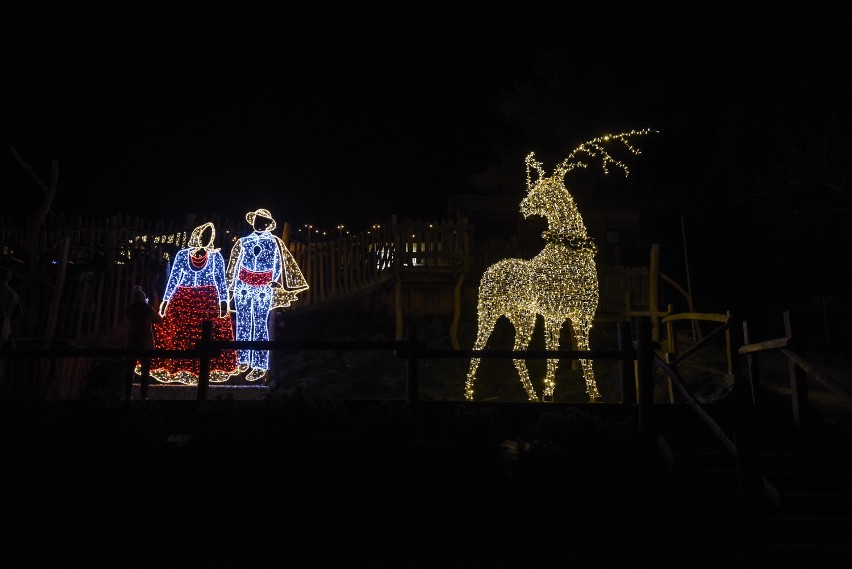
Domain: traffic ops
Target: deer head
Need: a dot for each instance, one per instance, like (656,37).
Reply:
(547,195)
(544,194)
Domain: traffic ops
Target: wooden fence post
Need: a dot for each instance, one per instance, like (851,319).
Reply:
(145,379)
(454,325)
(645,368)
(628,382)
(798,383)
(749,483)
(412,387)
(753,367)
(654,291)
(128,384)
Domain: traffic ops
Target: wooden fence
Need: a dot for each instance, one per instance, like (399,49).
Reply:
(77,289)
(78,273)
(350,264)
(86,269)
(622,288)
(101,260)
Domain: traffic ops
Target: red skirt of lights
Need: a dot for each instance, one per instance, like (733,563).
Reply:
(181,329)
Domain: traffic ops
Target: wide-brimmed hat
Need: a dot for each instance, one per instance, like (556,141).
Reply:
(262,213)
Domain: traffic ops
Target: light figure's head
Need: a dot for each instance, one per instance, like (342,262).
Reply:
(543,196)
(261,220)
(545,192)
(203,237)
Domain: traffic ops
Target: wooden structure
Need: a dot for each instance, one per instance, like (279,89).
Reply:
(800,370)
(101,259)
(86,268)
(77,287)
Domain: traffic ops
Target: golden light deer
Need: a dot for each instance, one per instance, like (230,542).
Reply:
(560,283)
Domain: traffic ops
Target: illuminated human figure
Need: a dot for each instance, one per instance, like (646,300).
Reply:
(262,275)
(196,291)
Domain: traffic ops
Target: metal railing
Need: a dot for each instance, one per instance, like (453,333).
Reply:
(636,357)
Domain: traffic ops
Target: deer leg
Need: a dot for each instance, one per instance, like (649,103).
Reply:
(485,327)
(575,364)
(582,328)
(524,323)
(551,337)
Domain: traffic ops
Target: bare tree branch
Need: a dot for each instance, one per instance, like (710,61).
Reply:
(44,187)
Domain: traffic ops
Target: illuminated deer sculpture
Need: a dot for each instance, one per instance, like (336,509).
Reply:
(560,283)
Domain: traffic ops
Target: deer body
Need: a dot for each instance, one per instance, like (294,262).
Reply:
(558,284)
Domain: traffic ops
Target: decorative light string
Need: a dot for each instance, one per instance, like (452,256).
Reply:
(262,275)
(560,283)
(196,291)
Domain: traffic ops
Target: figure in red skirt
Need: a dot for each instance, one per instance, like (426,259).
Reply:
(196,291)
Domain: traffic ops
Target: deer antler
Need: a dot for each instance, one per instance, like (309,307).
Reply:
(595,148)
(531,162)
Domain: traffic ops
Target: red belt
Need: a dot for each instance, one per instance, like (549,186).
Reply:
(255,279)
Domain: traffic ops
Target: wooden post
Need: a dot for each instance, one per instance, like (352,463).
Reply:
(645,368)
(799,395)
(454,327)
(412,387)
(671,337)
(671,350)
(798,383)
(625,344)
(397,243)
(729,349)
(204,352)
(748,479)
(117,295)
(56,297)
(145,379)
(753,367)
(653,291)
(128,384)
(398,307)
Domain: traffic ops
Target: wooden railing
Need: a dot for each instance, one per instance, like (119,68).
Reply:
(88,268)
(635,355)
(800,371)
(622,289)
(80,281)
(108,239)
(341,266)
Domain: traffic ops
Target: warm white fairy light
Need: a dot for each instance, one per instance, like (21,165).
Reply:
(560,283)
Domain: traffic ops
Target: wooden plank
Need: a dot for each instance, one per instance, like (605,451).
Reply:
(765,345)
(334,266)
(323,256)
(817,374)
(346,264)
(703,316)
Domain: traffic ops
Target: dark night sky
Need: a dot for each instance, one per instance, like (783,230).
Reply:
(332,114)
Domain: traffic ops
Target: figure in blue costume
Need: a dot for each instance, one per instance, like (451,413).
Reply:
(262,275)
